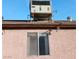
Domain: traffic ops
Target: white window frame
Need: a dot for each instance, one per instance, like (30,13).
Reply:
(38,35)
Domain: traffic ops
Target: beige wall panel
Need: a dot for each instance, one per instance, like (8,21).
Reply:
(61,44)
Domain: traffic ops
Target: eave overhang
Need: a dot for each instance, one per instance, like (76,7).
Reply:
(38,25)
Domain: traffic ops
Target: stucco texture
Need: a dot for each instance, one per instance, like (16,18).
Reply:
(61,44)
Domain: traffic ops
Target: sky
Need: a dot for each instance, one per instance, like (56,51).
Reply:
(19,9)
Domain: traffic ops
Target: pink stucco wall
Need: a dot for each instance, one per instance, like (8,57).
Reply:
(61,44)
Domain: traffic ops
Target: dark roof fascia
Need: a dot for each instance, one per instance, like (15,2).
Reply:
(55,25)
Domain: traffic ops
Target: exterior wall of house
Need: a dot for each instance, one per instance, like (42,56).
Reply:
(61,44)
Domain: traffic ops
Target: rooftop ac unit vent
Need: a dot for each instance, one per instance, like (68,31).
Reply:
(69,18)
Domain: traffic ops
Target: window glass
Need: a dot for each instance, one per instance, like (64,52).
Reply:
(40,2)
(32,43)
(43,44)
(38,43)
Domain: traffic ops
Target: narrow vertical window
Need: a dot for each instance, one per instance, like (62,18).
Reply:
(32,43)
(43,44)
